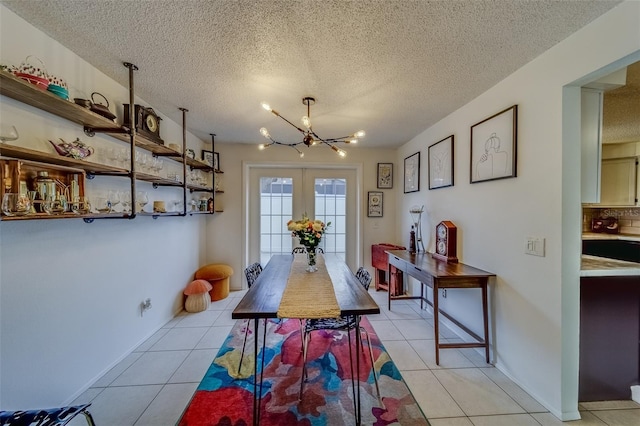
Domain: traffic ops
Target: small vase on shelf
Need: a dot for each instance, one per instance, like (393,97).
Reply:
(311,259)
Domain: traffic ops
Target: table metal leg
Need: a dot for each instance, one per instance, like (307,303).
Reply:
(353,380)
(485,315)
(389,288)
(436,325)
(256,419)
(358,349)
(257,390)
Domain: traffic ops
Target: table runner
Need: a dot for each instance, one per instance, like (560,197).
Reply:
(308,294)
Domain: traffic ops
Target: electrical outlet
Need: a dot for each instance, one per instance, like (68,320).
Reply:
(144,306)
(535,246)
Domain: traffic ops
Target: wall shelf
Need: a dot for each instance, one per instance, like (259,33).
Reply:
(22,91)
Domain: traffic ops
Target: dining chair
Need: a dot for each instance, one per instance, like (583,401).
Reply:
(303,249)
(342,323)
(251,272)
(49,416)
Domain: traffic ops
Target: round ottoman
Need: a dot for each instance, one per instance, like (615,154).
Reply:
(218,276)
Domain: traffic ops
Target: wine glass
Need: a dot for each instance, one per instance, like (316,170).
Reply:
(113,199)
(142,161)
(177,205)
(141,200)
(114,155)
(15,204)
(8,133)
(124,157)
(125,200)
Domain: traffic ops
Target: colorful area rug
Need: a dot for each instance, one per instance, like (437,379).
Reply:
(225,398)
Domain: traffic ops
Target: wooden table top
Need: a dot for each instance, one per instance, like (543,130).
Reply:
(263,298)
(439,268)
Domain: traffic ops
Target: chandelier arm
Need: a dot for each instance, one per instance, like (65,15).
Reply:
(315,135)
(299,129)
(342,139)
(285,144)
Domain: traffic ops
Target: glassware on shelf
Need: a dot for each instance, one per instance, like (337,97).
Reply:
(59,205)
(113,154)
(113,199)
(8,133)
(142,162)
(177,205)
(125,200)
(15,204)
(32,199)
(124,156)
(46,204)
(141,201)
(80,205)
(100,204)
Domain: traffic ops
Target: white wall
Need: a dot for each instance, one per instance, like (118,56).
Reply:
(229,226)
(533,340)
(70,292)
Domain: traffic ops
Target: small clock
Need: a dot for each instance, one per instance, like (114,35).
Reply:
(147,122)
(151,122)
(446,242)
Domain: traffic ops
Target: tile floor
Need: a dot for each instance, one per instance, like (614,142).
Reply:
(153,385)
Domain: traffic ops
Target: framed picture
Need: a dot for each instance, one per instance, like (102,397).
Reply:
(207,157)
(493,146)
(441,163)
(412,173)
(375,204)
(216,161)
(385,175)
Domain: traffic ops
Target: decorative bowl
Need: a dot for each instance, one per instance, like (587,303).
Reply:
(59,91)
(40,82)
(34,74)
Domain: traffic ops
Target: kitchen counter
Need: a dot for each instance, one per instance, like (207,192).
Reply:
(601,236)
(594,266)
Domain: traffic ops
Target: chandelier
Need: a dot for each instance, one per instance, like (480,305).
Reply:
(309,137)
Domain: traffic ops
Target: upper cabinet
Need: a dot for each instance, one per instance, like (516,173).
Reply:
(610,135)
(619,182)
(591,138)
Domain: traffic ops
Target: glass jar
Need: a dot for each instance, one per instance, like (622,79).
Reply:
(45,188)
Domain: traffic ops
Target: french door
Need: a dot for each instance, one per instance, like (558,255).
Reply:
(277,195)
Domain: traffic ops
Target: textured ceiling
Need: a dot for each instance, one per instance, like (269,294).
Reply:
(393,68)
(621,111)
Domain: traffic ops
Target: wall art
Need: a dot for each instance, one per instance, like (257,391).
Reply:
(441,163)
(493,146)
(412,173)
(385,175)
(374,204)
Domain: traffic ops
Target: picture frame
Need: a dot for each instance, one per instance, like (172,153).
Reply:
(207,157)
(440,155)
(494,147)
(385,175)
(374,204)
(412,173)
(216,161)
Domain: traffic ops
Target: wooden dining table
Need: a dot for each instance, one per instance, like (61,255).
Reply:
(262,301)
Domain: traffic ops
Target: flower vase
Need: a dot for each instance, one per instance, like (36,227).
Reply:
(311,260)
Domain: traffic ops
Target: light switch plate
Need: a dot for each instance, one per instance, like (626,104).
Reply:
(535,246)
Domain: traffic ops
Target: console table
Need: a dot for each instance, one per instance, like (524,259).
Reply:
(439,274)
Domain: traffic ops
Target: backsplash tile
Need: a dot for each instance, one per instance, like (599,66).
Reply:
(628,218)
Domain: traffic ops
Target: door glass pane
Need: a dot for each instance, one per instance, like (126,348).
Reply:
(330,206)
(275,207)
